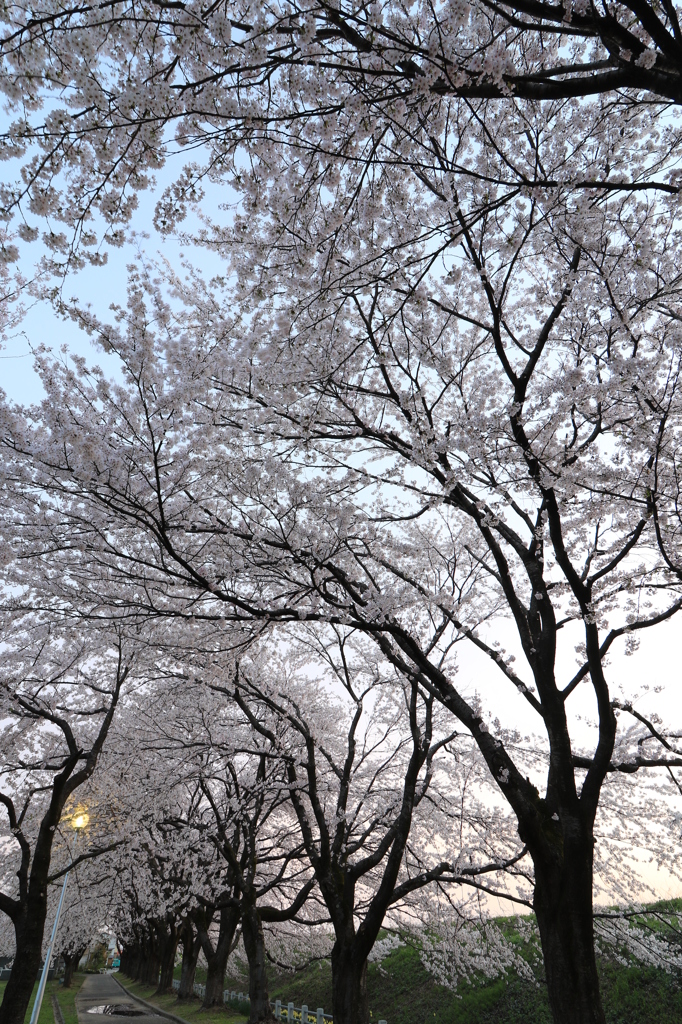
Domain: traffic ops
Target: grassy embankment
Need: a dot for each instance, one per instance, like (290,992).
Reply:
(190,1011)
(65,998)
(402,992)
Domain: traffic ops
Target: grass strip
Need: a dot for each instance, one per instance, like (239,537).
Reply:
(189,1010)
(65,998)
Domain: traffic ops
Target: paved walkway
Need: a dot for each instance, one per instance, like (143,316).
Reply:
(103,990)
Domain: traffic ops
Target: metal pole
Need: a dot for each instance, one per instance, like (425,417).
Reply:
(48,955)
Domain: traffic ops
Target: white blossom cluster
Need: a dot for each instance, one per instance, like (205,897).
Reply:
(458,950)
(644,937)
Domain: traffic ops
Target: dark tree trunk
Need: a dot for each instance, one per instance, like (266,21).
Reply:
(133,962)
(168,944)
(215,977)
(29,921)
(141,965)
(29,911)
(254,944)
(190,955)
(152,970)
(349,985)
(71,961)
(28,930)
(563,907)
(216,959)
(150,964)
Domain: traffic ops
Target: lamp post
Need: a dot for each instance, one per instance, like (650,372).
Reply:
(78,822)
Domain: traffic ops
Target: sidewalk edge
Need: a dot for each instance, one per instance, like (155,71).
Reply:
(157,1009)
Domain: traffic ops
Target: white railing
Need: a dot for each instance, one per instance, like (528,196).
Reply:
(301,1014)
(289,1013)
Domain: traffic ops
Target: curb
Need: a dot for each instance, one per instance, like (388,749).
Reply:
(157,1010)
(57,1010)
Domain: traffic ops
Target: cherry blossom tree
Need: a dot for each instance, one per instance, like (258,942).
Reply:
(212,841)
(90,903)
(162,877)
(366,795)
(361,91)
(241,812)
(190,955)
(440,440)
(59,696)
(394,406)
(156,879)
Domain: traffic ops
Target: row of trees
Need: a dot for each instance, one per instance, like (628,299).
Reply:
(432,404)
(257,801)
(291,806)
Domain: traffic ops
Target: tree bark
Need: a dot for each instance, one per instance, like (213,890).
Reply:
(150,964)
(29,926)
(216,959)
(134,964)
(168,944)
(254,944)
(215,978)
(190,955)
(28,930)
(28,913)
(349,985)
(131,965)
(126,960)
(563,907)
(71,961)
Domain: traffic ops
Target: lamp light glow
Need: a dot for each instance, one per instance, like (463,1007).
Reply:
(80,821)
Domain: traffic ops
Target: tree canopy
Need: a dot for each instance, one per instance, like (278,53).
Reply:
(431,404)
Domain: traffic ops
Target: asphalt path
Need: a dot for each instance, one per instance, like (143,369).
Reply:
(103,990)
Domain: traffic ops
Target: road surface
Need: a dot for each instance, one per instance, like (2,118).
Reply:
(103,990)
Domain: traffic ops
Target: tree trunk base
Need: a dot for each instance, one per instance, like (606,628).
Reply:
(563,906)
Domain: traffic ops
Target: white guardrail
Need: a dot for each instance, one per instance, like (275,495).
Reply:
(289,1013)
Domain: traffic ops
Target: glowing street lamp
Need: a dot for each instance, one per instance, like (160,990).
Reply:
(79,821)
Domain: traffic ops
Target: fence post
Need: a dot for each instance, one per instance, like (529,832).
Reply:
(320,1015)
(278,1009)
(304,1014)
(382,1022)
(290,1013)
